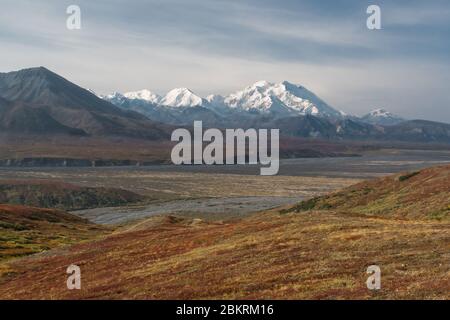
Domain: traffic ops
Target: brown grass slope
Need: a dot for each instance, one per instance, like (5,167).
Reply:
(314,254)
(28,230)
(420,194)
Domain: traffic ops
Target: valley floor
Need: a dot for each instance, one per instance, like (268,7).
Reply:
(199,237)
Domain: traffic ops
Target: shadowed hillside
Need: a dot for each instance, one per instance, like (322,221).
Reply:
(37,100)
(49,194)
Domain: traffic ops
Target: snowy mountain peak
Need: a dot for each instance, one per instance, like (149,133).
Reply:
(380,113)
(214,97)
(288,84)
(262,84)
(382,117)
(114,95)
(282,97)
(144,94)
(216,100)
(182,97)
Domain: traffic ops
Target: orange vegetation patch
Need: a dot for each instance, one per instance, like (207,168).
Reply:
(315,255)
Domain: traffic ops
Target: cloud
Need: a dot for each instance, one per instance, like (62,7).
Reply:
(221,46)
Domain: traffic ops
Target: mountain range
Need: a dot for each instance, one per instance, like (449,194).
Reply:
(277,100)
(292,108)
(38,101)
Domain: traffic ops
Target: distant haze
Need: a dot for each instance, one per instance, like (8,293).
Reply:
(223,46)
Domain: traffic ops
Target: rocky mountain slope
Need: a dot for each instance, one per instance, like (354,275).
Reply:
(40,101)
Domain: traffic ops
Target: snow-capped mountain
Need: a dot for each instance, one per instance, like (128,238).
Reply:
(282,98)
(216,100)
(381,117)
(262,99)
(145,95)
(115,98)
(216,103)
(182,97)
(141,95)
(277,99)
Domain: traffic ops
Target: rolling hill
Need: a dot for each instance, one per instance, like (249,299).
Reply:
(420,195)
(315,251)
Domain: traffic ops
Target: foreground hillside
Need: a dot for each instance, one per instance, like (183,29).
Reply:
(28,230)
(312,254)
(294,256)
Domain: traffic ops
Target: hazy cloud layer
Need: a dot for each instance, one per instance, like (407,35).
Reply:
(222,46)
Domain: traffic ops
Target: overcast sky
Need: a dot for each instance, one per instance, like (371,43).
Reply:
(222,46)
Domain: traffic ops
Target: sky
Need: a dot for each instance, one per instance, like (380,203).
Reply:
(221,46)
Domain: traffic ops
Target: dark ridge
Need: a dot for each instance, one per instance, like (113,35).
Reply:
(42,99)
